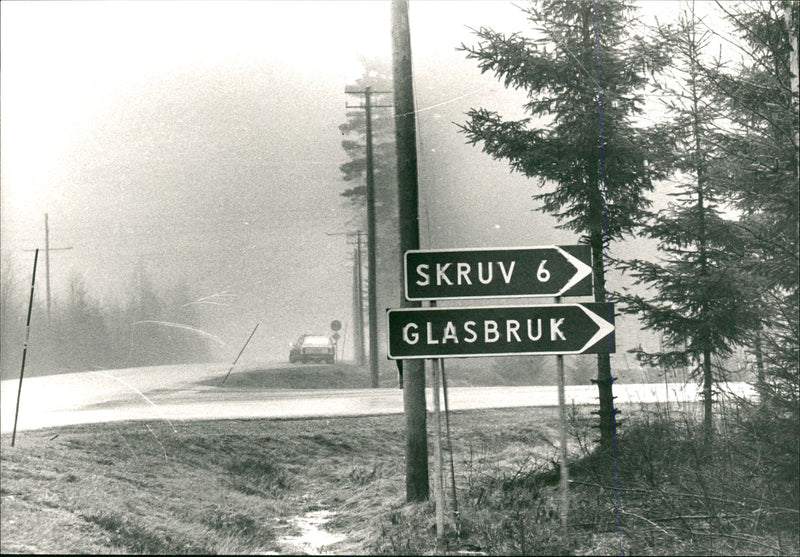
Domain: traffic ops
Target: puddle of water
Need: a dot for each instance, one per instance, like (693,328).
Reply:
(312,537)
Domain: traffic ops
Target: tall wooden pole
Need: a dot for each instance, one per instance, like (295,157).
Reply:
(358,305)
(372,266)
(408,203)
(361,352)
(372,276)
(47,250)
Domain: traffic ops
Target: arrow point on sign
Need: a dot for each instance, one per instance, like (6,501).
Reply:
(582,270)
(604,328)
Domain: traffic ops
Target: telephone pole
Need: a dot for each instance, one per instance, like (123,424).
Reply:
(408,201)
(358,305)
(47,250)
(371,242)
(358,295)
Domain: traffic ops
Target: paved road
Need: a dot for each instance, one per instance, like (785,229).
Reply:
(177,393)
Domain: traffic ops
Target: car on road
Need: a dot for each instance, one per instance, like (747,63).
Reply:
(312,348)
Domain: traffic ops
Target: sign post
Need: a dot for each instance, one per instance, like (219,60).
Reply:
(335,338)
(562,412)
(438,478)
(434,333)
(336,326)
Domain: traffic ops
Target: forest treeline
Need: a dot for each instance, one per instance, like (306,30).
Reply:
(79,332)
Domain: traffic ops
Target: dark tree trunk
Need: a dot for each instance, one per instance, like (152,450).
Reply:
(708,382)
(604,381)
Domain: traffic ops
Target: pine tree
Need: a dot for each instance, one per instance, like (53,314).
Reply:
(760,173)
(377,75)
(583,72)
(354,170)
(702,302)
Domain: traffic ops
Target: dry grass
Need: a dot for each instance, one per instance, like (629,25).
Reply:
(667,491)
(236,486)
(215,487)
(138,487)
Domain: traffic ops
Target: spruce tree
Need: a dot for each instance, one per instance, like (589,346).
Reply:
(702,302)
(583,72)
(760,173)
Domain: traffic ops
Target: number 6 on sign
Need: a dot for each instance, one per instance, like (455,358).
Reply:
(543,274)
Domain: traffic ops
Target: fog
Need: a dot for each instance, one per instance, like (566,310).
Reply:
(198,143)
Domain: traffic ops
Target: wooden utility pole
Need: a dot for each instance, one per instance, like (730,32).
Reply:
(47,250)
(358,305)
(408,203)
(372,276)
(358,296)
(372,265)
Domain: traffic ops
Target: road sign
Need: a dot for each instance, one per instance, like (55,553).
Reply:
(498,272)
(336,325)
(335,337)
(501,330)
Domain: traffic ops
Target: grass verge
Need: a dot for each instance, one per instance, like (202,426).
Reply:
(236,487)
(664,490)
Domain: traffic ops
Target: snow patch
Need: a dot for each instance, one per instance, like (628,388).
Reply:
(312,537)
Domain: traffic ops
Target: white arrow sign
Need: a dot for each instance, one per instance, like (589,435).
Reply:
(582,270)
(498,272)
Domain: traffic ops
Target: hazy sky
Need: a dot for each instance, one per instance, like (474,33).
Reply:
(200,140)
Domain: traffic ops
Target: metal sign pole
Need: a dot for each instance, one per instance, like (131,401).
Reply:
(454,506)
(438,480)
(25,347)
(437,452)
(562,410)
